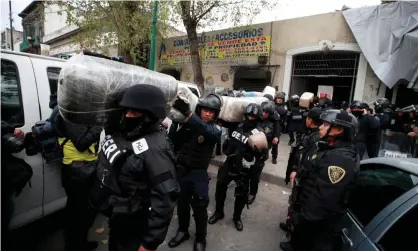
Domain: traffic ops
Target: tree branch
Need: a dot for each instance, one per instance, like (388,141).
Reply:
(216,4)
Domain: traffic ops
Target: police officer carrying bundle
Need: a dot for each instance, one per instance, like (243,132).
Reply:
(270,123)
(296,128)
(239,148)
(367,125)
(329,171)
(197,137)
(136,184)
(309,139)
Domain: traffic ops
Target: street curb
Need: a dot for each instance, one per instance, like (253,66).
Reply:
(266,177)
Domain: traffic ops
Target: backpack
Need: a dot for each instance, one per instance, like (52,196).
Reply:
(16,173)
(46,139)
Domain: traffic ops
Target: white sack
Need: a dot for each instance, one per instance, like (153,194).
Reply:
(306,99)
(269,90)
(187,95)
(233,108)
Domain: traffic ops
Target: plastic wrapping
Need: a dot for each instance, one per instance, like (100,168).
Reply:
(306,99)
(233,108)
(269,90)
(252,94)
(90,88)
(187,95)
(259,140)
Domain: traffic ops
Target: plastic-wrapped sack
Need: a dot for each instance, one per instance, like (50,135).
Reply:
(233,108)
(269,90)
(306,99)
(187,95)
(90,88)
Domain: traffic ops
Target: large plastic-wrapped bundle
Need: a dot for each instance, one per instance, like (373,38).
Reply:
(252,94)
(90,88)
(187,95)
(306,99)
(269,90)
(233,108)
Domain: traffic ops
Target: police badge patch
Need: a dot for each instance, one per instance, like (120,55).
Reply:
(200,139)
(140,146)
(335,174)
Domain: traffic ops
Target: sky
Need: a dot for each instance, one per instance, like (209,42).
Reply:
(284,10)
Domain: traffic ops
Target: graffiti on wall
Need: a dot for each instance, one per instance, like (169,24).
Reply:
(221,49)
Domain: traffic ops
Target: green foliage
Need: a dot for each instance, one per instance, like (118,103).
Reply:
(103,24)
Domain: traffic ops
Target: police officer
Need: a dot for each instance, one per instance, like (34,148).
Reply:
(79,144)
(137,163)
(198,138)
(279,100)
(296,128)
(238,150)
(367,124)
(382,107)
(270,123)
(324,185)
(309,139)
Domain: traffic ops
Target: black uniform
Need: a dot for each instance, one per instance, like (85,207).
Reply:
(194,143)
(296,128)
(238,151)
(136,182)
(325,180)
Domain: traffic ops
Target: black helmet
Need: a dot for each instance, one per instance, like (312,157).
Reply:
(381,104)
(268,107)
(315,114)
(341,118)
(145,97)
(294,98)
(268,96)
(281,95)
(211,101)
(253,110)
(359,104)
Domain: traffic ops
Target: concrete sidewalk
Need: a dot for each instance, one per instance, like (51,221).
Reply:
(272,173)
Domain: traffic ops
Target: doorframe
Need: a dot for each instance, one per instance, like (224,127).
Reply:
(353,47)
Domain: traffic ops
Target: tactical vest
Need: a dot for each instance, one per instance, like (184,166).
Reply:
(268,126)
(107,195)
(197,151)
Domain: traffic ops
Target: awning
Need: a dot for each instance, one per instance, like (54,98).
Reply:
(388,37)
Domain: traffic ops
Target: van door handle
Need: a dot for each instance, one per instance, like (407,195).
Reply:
(346,239)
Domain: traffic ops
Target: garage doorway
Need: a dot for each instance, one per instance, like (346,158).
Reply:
(250,79)
(337,69)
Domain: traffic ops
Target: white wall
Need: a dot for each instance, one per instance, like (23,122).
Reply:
(56,23)
(371,85)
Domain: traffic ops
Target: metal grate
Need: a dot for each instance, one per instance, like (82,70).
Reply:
(320,64)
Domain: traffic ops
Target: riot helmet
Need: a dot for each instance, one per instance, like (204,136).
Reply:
(381,104)
(341,118)
(268,96)
(315,115)
(294,100)
(280,95)
(253,110)
(211,101)
(357,107)
(146,99)
(268,107)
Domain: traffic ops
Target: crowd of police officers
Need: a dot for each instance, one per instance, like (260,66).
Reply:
(143,172)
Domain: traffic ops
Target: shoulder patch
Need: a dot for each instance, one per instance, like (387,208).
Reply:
(254,131)
(335,174)
(140,146)
(218,127)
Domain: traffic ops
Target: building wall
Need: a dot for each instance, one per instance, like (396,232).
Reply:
(56,23)
(5,39)
(284,35)
(372,85)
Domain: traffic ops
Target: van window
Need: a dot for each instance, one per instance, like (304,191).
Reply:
(11,96)
(194,91)
(53,74)
(376,187)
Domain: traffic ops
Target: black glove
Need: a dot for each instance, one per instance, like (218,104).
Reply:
(182,107)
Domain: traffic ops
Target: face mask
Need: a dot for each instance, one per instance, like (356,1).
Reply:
(357,113)
(131,123)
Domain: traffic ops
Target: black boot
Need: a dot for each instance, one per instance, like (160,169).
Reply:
(178,239)
(286,246)
(238,224)
(251,199)
(274,161)
(216,217)
(284,226)
(199,246)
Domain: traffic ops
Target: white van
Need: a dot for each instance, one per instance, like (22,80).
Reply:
(27,80)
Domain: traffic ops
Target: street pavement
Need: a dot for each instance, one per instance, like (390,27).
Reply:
(260,225)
